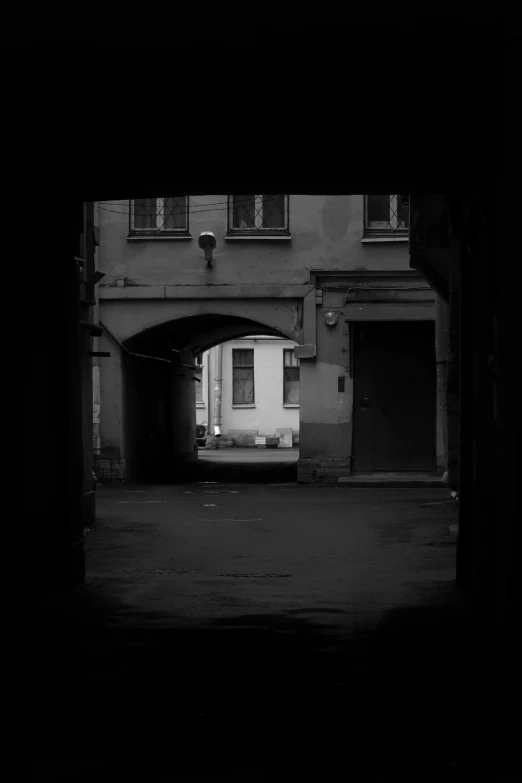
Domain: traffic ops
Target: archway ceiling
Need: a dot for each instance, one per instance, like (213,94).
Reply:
(197,333)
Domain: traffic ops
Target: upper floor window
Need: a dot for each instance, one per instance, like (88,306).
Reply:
(290,377)
(258,215)
(159,216)
(386,215)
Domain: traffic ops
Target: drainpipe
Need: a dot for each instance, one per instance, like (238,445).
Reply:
(441,353)
(96,385)
(218,388)
(211,403)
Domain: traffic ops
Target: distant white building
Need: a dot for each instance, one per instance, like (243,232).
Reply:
(259,391)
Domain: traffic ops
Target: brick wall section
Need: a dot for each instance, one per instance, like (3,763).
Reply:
(322,471)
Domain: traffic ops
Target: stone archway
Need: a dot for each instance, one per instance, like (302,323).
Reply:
(147,426)
(129,312)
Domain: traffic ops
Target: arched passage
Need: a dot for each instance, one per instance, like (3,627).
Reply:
(148,420)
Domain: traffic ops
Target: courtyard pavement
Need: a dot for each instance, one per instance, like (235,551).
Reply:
(247,630)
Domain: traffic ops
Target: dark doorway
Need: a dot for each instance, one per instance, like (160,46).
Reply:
(394,396)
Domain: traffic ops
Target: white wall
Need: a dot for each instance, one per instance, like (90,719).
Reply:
(268,412)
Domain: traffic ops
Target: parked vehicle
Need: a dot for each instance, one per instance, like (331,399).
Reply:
(201,434)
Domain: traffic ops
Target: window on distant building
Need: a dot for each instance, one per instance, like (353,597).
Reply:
(242,377)
(199,374)
(258,215)
(386,216)
(290,377)
(159,216)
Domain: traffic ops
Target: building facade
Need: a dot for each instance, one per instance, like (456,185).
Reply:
(328,273)
(259,391)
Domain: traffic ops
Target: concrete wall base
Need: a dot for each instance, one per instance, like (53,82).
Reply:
(245,439)
(219,443)
(323,470)
(242,439)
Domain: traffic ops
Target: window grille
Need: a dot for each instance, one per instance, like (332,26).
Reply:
(386,215)
(254,214)
(159,215)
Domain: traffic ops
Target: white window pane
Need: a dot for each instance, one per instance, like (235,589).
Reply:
(291,385)
(273,211)
(175,213)
(378,210)
(241,358)
(244,212)
(290,359)
(145,213)
(243,386)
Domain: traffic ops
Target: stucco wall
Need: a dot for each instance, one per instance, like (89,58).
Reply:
(326,413)
(137,397)
(326,233)
(111,401)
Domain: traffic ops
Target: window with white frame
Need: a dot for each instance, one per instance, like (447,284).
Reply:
(290,377)
(243,376)
(386,215)
(159,216)
(258,215)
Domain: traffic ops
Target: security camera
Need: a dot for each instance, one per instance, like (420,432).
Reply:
(207,242)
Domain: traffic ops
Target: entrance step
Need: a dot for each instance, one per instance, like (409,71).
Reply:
(404,480)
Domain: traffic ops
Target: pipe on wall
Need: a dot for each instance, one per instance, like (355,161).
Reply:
(131,353)
(182,364)
(441,352)
(218,389)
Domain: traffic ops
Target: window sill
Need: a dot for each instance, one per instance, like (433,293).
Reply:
(201,405)
(243,405)
(388,238)
(157,237)
(290,405)
(257,237)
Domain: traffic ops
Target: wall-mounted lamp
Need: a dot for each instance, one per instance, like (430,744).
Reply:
(207,242)
(331,318)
